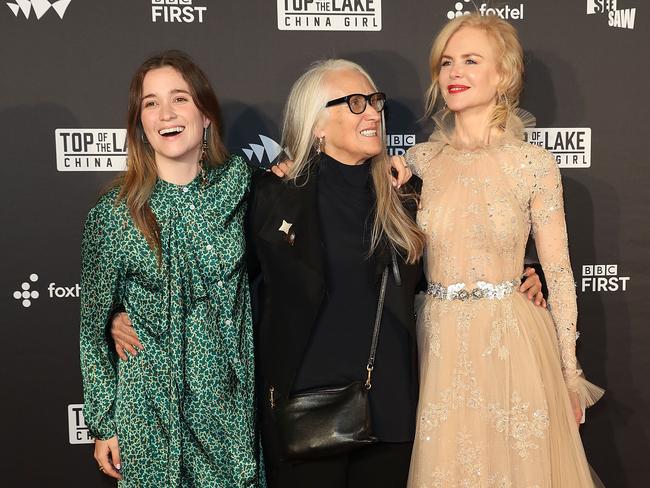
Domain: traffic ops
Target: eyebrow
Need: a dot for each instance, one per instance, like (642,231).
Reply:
(468,55)
(173,92)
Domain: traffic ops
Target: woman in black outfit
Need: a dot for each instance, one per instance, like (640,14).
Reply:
(321,241)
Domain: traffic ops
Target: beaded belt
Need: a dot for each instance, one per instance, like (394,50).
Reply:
(457,291)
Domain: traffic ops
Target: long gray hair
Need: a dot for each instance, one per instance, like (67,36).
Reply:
(304,110)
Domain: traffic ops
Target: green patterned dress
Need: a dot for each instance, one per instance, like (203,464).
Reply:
(182,409)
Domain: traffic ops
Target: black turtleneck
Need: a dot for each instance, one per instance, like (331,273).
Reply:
(340,340)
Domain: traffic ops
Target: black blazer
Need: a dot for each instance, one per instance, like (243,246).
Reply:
(290,280)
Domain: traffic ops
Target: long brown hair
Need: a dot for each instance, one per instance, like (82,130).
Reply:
(303,111)
(137,183)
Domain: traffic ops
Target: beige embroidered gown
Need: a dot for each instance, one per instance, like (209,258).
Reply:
(496,370)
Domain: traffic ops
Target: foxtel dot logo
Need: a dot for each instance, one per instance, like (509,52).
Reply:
(26,294)
(458,10)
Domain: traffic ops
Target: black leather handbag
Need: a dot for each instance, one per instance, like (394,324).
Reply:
(333,420)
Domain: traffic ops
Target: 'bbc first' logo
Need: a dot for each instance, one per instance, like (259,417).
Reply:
(603,278)
(620,18)
(176,11)
(399,143)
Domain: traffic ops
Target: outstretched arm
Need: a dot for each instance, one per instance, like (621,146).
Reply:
(400,172)
(550,233)
(100,279)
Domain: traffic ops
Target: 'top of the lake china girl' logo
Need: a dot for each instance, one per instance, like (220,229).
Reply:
(78,432)
(329,15)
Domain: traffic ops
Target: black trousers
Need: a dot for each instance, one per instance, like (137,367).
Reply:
(381,465)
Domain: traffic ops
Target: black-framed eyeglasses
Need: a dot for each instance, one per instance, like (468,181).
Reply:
(358,102)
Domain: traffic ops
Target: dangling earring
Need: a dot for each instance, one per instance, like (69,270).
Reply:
(143,137)
(204,154)
(321,144)
(204,145)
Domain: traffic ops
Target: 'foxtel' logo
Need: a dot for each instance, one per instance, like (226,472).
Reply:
(27,295)
(263,155)
(620,18)
(39,7)
(570,146)
(90,149)
(63,291)
(602,278)
(329,15)
(176,11)
(78,432)
(506,11)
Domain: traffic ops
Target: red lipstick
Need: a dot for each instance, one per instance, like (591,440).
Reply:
(453,89)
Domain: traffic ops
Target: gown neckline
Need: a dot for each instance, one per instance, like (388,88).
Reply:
(512,131)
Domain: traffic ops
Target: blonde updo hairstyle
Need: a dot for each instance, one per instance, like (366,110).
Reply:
(509,56)
(304,111)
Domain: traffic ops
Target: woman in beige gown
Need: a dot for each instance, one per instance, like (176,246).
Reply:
(501,393)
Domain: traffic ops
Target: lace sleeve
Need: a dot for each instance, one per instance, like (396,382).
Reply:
(549,231)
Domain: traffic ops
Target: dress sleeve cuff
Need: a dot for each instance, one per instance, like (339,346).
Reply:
(104,431)
(587,392)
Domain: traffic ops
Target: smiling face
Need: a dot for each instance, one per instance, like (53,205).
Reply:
(172,122)
(469,75)
(349,138)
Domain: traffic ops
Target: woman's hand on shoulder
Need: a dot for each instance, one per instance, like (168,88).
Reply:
(124,336)
(282,168)
(107,455)
(398,163)
(403,172)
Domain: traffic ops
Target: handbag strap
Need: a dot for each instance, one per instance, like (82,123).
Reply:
(375,335)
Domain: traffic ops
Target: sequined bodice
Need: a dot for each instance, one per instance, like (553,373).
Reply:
(476,214)
(478,209)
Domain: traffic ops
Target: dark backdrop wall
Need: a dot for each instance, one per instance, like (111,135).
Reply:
(64,76)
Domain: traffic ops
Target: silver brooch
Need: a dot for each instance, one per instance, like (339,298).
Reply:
(287,229)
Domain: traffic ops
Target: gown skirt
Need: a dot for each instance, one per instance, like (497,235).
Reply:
(494,409)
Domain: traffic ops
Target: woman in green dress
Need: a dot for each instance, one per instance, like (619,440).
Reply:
(166,245)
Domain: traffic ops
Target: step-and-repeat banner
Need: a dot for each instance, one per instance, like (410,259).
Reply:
(65,71)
